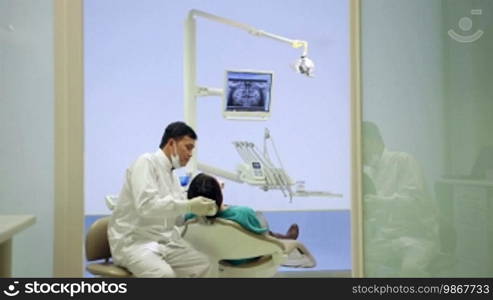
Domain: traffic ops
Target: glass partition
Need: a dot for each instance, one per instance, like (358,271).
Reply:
(427,104)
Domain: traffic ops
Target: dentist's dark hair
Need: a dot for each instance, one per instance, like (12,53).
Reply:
(177,131)
(371,131)
(206,186)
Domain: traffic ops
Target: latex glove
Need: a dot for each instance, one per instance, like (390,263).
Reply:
(202,206)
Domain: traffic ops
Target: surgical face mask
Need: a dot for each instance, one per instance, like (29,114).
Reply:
(175,158)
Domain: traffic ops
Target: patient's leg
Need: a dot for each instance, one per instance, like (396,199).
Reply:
(291,234)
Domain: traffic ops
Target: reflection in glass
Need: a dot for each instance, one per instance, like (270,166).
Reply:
(428,184)
(400,218)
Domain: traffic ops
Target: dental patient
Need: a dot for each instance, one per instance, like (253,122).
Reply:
(207,186)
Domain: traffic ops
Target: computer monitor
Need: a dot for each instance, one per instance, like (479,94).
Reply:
(247,94)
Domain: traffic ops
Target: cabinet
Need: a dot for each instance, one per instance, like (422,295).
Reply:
(9,226)
(466,224)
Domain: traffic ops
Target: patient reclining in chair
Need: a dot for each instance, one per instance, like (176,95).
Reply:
(207,186)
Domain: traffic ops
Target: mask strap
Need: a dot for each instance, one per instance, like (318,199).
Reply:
(175,148)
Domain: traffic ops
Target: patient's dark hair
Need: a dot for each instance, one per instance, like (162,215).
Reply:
(206,186)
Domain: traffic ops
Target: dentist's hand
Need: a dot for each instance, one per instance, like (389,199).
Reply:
(202,206)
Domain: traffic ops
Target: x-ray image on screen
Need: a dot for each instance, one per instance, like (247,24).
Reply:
(248,91)
(247,94)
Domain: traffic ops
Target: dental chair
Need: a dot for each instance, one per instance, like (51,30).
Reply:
(224,240)
(98,248)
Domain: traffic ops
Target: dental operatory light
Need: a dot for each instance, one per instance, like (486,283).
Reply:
(304,66)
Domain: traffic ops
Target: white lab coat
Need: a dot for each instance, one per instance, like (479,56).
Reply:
(142,232)
(400,220)
(402,194)
(397,174)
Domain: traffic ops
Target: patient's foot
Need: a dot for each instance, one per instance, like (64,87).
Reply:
(293,232)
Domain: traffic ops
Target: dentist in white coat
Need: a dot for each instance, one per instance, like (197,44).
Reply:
(401,215)
(142,234)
